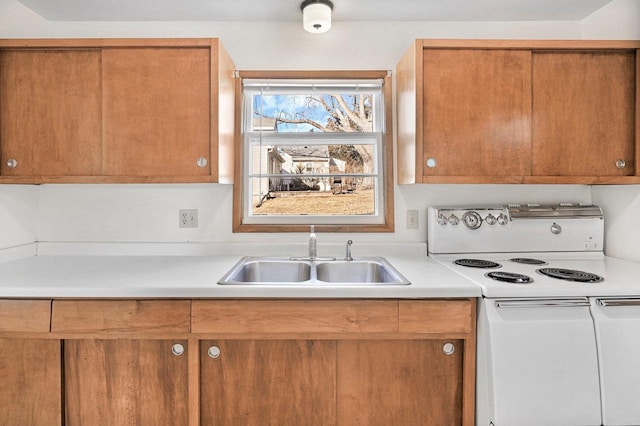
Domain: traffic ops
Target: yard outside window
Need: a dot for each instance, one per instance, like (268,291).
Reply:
(315,151)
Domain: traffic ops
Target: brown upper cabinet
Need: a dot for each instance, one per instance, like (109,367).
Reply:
(584,113)
(50,112)
(506,111)
(116,110)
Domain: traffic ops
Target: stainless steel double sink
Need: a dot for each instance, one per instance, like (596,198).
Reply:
(285,271)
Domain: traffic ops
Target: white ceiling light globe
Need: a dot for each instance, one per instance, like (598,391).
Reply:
(316,16)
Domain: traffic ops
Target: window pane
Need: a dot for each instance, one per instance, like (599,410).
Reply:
(314,159)
(313,151)
(346,196)
(313,113)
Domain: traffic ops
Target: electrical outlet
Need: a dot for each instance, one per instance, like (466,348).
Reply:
(188,218)
(412,219)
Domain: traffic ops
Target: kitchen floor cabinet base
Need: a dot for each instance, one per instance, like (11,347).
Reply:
(256,362)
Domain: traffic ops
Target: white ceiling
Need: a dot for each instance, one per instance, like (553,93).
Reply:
(289,10)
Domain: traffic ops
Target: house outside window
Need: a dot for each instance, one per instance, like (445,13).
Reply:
(315,149)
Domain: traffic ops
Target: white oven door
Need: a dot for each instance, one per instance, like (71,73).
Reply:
(617,322)
(540,363)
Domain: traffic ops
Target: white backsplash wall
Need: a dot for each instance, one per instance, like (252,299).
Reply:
(621,205)
(18,215)
(149,213)
(141,212)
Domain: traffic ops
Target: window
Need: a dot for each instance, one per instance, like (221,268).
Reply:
(315,149)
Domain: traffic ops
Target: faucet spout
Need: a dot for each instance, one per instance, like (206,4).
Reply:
(313,244)
(347,256)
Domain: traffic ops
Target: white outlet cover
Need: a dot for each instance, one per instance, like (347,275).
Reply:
(188,218)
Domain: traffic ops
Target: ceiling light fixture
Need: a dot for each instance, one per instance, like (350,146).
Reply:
(316,15)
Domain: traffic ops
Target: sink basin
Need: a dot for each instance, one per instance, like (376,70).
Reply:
(359,271)
(281,271)
(268,271)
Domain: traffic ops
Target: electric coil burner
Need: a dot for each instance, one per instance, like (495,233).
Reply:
(528,261)
(570,275)
(477,263)
(509,277)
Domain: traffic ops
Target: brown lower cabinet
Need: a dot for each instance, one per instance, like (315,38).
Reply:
(258,382)
(125,382)
(399,382)
(316,382)
(30,382)
(256,362)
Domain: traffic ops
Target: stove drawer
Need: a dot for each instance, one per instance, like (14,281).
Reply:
(537,363)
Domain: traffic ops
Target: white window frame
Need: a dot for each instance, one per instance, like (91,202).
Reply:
(380,139)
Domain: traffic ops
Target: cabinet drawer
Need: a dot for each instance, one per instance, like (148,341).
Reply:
(25,315)
(437,316)
(149,316)
(294,316)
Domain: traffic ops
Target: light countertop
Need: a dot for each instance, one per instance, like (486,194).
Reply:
(82,271)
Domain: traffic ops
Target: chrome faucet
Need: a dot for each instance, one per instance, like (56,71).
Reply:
(347,256)
(313,249)
(313,244)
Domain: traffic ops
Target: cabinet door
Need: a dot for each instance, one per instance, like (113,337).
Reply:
(583,113)
(125,382)
(156,111)
(399,382)
(50,112)
(263,382)
(30,382)
(477,112)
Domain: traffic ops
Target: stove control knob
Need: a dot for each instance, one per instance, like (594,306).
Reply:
(472,220)
(502,219)
(442,219)
(490,219)
(453,220)
(556,229)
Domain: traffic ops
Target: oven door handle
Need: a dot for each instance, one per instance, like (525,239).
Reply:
(618,302)
(542,303)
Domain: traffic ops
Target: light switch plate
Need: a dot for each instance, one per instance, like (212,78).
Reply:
(412,219)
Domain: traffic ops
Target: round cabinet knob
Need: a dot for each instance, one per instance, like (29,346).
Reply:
(448,348)
(431,162)
(490,219)
(502,219)
(556,229)
(12,163)
(453,220)
(202,162)
(214,352)
(620,164)
(177,349)
(472,220)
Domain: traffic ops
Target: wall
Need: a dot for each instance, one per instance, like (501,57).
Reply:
(149,212)
(18,215)
(619,19)
(621,205)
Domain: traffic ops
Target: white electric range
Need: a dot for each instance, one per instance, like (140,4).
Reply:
(559,322)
